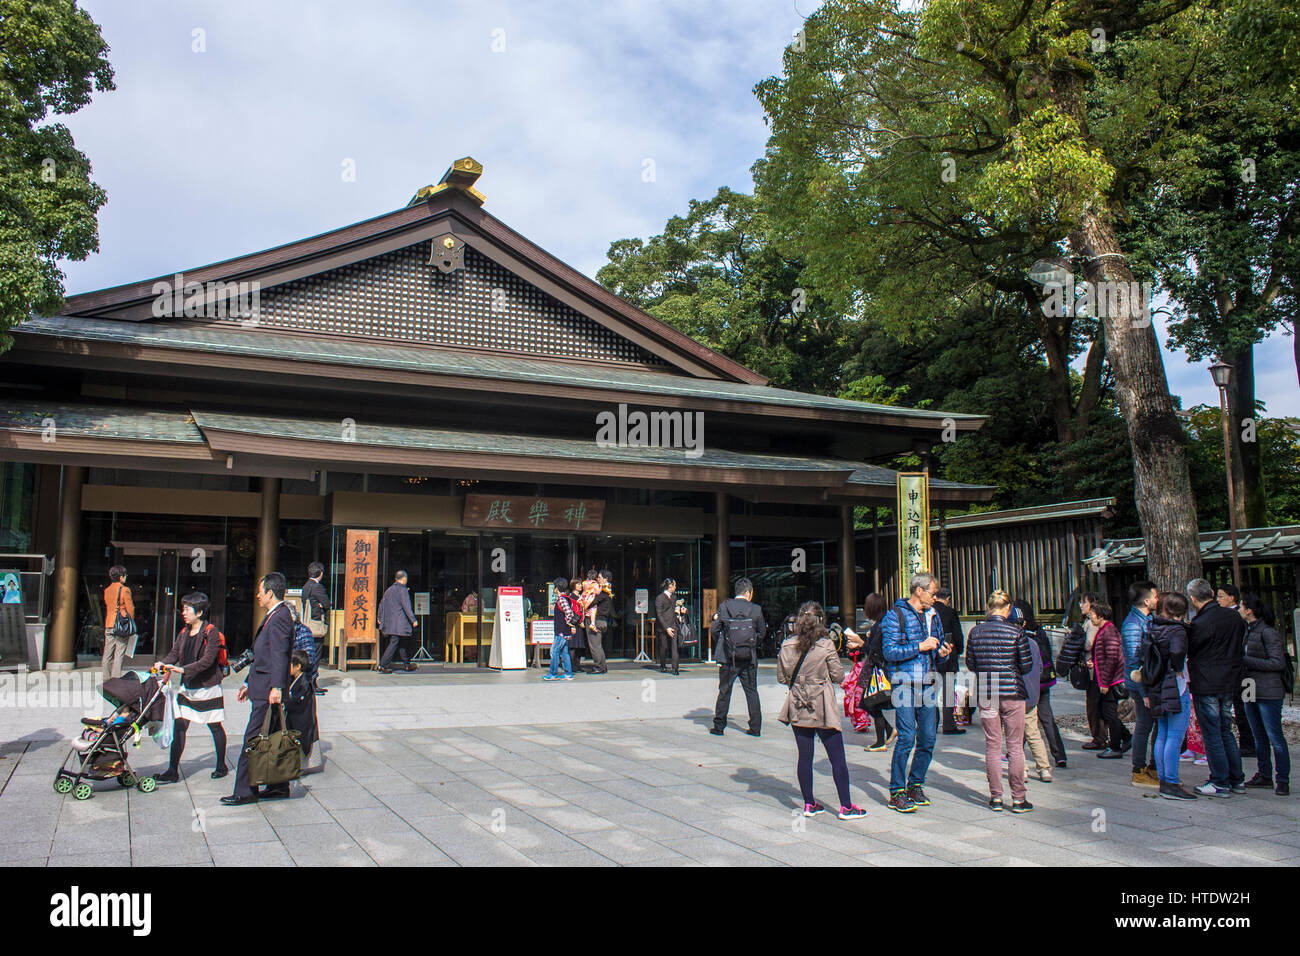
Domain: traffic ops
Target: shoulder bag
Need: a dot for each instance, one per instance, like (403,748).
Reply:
(123,624)
(274,758)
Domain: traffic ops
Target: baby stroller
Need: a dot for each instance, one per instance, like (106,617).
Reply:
(101,748)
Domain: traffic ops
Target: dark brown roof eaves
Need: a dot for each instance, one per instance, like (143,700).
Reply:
(603,297)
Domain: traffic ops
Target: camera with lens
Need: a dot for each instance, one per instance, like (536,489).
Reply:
(242,661)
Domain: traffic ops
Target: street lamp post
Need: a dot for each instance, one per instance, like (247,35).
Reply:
(1221,372)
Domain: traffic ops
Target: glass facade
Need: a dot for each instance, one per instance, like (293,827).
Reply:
(17,484)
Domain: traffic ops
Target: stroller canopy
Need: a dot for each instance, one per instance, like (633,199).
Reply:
(142,697)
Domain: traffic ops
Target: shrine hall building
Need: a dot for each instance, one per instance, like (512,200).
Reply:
(430,375)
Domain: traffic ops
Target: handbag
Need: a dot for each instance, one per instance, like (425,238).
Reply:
(1079,676)
(123,623)
(274,758)
(878,690)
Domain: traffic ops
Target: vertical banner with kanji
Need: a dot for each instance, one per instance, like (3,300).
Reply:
(913,526)
(360,582)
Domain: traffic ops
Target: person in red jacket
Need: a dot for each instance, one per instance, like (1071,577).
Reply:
(1108,662)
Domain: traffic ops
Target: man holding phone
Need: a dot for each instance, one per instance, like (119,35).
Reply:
(912,643)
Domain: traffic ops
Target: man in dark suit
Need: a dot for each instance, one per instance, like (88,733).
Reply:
(666,618)
(947,667)
(268,676)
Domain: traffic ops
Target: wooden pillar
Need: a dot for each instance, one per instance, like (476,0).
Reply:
(875,549)
(268,538)
(60,643)
(722,547)
(848,564)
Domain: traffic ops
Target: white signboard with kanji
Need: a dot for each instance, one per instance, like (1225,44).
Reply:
(508,631)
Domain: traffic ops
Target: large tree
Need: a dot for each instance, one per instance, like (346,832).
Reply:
(990,101)
(51,58)
(1222,228)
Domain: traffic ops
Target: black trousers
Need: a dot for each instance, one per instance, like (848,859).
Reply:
(1245,736)
(664,643)
(1110,719)
(1092,703)
(1047,725)
(396,643)
(882,725)
(946,717)
(748,675)
(258,714)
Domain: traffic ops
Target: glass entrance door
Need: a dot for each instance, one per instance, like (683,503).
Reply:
(183,571)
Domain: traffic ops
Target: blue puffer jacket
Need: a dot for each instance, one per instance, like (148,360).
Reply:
(906,662)
(1130,635)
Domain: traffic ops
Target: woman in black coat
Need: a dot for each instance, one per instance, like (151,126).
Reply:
(1265,663)
(1168,697)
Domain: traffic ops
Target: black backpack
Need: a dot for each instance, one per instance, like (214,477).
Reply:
(1154,664)
(740,635)
(876,639)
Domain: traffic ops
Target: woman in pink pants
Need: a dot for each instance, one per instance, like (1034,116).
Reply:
(997,653)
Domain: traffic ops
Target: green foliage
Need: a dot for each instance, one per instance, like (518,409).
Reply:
(1279,454)
(51,57)
(716,275)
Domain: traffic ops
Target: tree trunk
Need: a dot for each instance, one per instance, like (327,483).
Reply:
(1163,490)
(1247,474)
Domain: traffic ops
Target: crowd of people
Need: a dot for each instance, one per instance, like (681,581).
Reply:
(1183,659)
(1187,662)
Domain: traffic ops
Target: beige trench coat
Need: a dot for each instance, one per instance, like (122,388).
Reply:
(812,701)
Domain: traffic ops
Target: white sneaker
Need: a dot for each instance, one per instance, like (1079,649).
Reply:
(1207,789)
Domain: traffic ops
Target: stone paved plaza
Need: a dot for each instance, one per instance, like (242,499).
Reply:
(500,769)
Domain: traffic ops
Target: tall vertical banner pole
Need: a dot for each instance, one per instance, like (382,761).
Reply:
(913,510)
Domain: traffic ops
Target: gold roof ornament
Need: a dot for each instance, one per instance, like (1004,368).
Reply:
(462,175)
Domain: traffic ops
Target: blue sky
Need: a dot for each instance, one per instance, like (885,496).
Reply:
(209,155)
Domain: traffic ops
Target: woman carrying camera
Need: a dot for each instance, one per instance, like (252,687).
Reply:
(194,658)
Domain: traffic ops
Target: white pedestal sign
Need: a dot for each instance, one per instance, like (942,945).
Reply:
(508,631)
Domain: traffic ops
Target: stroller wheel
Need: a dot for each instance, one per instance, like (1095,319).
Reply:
(147,785)
(125,780)
(62,784)
(83,791)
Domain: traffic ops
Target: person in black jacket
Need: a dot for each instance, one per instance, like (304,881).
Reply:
(598,634)
(1215,663)
(199,700)
(666,619)
(315,610)
(873,609)
(268,677)
(998,654)
(736,631)
(1167,694)
(948,666)
(1265,662)
(1046,719)
(300,710)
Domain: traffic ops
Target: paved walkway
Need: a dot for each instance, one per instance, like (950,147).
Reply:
(496,769)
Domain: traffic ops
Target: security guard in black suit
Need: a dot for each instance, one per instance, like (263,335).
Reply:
(268,676)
